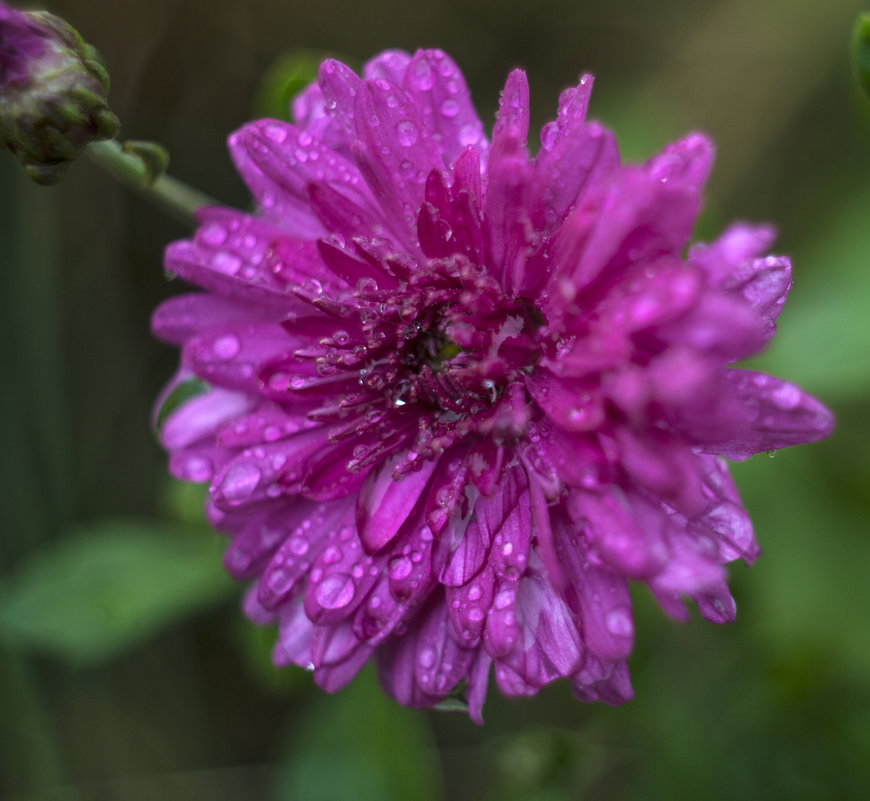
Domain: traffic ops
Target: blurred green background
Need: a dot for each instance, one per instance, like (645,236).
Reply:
(127,671)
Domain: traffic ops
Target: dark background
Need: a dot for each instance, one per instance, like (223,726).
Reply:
(127,671)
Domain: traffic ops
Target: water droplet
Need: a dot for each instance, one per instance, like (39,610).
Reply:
(400,567)
(503,599)
(299,546)
(270,434)
(450,108)
(331,555)
(786,396)
(279,580)
(226,347)
(275,132)
(240,482)
(196,468)
(619,623)
(474,592)
(421,75)
(469,134)
(213,234)
(427,657)
(335,591)
(475,615)
(226,263)
(407,132)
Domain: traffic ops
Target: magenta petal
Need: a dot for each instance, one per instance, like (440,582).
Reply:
(441,662)
(611,524)
(570,405)
(333,678)
(230,258)
(294,638)
(552,625)
(574,154)
(717,605)
(267,423)
(251,549)
(305,528)
(230,356)
(608,628)
(395,151)
(389,64)
(341,576)
(385,503)
(512,120)
(438,89)
(467,558)
(603,681)
(290,159)
(201,416)
(197,464)
(507,220)
(765,414)
(184,316)
(259,476)
(469,604)
(502,631)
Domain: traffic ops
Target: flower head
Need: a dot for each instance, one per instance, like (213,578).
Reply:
(53,90)
(452,397)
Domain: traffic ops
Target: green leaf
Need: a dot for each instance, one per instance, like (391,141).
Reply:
(861,51)
(109,586)
(183,392)
(360,744)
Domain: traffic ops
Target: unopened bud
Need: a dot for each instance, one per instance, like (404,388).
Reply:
(53,93)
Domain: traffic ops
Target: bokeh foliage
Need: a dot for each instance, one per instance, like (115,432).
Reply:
(126,669)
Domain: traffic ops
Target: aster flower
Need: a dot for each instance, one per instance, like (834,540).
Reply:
(53,93)
(450,397)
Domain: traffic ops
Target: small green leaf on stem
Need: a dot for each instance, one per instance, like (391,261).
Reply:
(861,51)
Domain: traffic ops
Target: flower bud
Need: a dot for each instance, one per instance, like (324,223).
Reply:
(53,93)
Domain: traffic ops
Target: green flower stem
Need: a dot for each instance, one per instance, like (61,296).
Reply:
(140,166)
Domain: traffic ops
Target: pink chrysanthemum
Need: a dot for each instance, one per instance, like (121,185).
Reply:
(452,397)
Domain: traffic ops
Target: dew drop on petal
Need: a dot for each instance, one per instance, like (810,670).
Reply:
(240,482)
(270,434)
(469,134)
(226,263)
(335,591)
(214,234)
(450,108)
(427,657)
(197,468)
(400,568)
(619,623)
(299,546)
(277,133)
(331,555)
(279,580)
(786,396)
(421,75)
(226,347)
(407,132)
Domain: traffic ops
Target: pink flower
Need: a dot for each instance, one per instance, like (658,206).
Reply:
(456,396)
